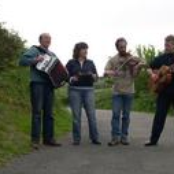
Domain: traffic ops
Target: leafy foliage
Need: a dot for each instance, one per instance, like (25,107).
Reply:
(11,46)
(148,53)
(144,98)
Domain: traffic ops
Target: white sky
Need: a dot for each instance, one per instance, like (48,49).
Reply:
(97,22)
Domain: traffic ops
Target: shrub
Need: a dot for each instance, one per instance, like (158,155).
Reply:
(11,46)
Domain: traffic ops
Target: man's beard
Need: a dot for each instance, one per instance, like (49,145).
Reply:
(123,53)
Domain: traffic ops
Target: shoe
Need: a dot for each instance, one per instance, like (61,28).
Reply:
(76,143)
(114,142)
(96,142)
(150,144)
(125,141)
(52,143)
(35,145)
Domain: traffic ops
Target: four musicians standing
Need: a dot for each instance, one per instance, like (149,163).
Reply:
(123,67)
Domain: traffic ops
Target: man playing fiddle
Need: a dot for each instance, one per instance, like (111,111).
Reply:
(165,97)
(123,67)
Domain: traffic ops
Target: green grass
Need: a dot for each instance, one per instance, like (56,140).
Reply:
(142,102)
(103,98)
(15,114)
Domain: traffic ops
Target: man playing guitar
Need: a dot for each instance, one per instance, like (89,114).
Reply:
(165,97)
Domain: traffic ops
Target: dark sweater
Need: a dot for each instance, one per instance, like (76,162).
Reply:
(74,68)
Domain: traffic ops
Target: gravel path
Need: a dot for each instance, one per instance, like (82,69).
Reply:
(89,159)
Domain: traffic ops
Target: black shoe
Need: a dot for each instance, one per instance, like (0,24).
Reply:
(76,143)
(52,143)
(150,144)
(35,145)
(125,141)
(96,142)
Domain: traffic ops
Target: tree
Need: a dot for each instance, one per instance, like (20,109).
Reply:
(148,53)
(11,46)
(144,97)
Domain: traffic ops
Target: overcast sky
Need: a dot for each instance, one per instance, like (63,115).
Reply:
(97,22)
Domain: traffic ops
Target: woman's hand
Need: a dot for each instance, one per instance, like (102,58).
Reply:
(74,79)
(94,76)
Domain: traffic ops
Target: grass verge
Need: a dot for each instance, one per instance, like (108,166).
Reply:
(15,114)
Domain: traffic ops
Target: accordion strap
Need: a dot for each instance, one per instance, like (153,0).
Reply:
(42,50)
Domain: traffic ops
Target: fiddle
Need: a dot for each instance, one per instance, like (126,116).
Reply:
(135,64)
(131,61)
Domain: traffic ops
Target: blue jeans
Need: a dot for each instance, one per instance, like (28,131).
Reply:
(121,107)
(42,96)
(83,98)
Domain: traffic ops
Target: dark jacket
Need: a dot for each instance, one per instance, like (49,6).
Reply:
(158,62)
(74,68)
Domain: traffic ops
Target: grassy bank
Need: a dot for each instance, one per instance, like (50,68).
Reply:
(15,114)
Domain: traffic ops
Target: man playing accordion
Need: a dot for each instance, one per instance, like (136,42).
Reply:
(42,93)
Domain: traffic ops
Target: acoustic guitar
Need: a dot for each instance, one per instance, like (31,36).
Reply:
(164,78)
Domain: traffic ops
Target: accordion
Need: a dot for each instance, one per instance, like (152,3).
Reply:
(53,67)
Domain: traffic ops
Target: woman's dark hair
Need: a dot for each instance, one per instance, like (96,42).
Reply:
(121,39)
(78,47)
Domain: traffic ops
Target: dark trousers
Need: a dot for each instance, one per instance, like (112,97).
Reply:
(163,104)
(42,96)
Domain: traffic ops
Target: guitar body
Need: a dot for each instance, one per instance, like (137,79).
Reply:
(163,80)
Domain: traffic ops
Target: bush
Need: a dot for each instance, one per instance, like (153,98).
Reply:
(11,46)
(144,97)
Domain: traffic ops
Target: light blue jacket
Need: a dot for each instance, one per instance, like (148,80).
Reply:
(27,60)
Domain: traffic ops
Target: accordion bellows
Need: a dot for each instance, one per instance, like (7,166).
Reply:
(52,66)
